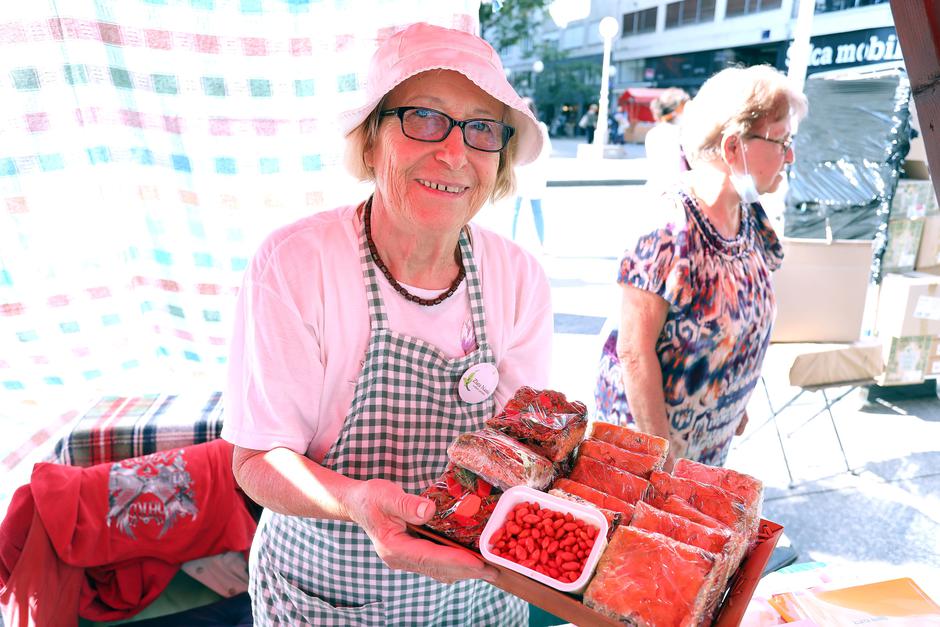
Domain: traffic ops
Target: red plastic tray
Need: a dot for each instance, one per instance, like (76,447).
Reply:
(570,608)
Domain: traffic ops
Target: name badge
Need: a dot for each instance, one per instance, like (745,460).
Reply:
(478,383)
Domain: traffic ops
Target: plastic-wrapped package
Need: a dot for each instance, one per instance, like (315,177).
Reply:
(543,420)
(613,518)
(647,517)
(712,500)
(638,464)
(747,488)
(648,579)
(596,497)
(464,503)
(630,439)
(716,541)
(501,460)
(850,151)
(619,483)
(680,507)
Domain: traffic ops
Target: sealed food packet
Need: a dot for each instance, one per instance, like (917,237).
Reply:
(630,439)
(544,420)
(613,518)
(748,490)
(595,497)
(600,476)
(648,579)
(639,464)
(500,460)
(464,503)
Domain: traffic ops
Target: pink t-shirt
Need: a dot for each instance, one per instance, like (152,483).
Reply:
(302,328)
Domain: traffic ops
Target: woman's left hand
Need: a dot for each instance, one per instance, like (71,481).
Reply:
(742,425)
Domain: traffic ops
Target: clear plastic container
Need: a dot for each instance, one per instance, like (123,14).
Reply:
(523,494)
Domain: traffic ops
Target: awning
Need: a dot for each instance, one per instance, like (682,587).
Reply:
(637,100)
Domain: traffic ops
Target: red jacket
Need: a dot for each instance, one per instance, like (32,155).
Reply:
(103,542)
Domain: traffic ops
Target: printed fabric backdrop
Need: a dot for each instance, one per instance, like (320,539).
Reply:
(146,147)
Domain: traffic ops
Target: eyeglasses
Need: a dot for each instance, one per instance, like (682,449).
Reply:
(428,125)
(786,144)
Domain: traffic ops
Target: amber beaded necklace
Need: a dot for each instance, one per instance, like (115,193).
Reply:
(427,302)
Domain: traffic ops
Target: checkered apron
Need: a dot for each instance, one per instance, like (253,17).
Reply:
(405,412)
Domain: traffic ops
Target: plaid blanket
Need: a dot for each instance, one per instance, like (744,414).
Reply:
(119,427)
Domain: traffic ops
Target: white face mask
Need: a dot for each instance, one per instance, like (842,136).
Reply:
(744,183)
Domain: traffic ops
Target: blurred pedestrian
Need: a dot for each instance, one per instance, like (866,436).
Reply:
(697,302)
(664,158)
(532,180)
(589,122)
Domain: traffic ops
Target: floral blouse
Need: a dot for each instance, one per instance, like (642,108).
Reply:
(721,309)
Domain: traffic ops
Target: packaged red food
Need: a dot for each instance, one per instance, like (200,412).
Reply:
(543,420)
(648,579)
(748,489)
(675,505)
(595,497)
(630,439)
(464,503)
(712,500)
(613,518)
(638,464)
(647,517)
(500,460)
(598,475)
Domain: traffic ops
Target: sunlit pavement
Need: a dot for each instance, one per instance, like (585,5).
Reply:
(880,521)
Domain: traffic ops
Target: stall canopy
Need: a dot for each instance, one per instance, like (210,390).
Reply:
(636,102)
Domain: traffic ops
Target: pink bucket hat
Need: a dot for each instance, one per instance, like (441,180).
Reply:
(422,47)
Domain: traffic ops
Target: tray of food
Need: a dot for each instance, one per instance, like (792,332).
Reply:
(641,546)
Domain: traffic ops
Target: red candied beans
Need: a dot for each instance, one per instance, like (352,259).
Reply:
(549,542)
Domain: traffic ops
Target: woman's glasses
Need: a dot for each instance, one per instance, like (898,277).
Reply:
(786,144)
(428,125)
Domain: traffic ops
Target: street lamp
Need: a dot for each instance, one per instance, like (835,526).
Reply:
(537,67)
(608,29)
(564,12)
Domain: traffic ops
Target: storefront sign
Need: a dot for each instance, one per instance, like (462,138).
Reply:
(843,50)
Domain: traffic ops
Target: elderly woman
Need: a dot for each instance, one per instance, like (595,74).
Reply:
(698,304)
(355,327)
(664,159)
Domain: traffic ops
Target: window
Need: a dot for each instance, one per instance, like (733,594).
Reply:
(688,12)
(825,6)
(639,22)
(744,7)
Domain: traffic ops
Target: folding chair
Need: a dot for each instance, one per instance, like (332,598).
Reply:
(829,403)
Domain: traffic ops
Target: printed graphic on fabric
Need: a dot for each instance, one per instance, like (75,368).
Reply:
(150,493)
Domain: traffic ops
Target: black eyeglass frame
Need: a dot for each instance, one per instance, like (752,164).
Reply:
(786,144)
(399,112)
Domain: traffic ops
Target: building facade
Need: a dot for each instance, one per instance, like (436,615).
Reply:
(680,43)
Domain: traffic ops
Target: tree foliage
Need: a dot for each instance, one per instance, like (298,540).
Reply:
(512,23)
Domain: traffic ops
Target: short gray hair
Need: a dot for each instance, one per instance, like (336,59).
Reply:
(733,102)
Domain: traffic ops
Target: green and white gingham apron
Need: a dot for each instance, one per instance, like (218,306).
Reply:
(405,412)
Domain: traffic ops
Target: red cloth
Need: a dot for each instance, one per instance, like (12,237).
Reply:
(129,525)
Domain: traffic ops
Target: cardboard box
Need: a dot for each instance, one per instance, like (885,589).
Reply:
(903,242)
(570,608)
(821,289)
(932,369)
(905,360)
(829,364)
(928,256)
(914,199)
(909,305)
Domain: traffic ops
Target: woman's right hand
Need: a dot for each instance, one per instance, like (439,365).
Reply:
(383,509)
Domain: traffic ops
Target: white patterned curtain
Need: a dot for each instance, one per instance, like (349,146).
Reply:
(146,147)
